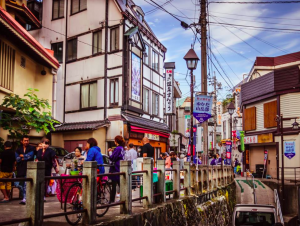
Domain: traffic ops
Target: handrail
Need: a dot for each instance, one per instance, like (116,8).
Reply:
(141,198)
(140,171)
(65,177)
(254,194)
(15,179)
(111,174)
(111,204)
(175,170)
(63,214)
(278,206)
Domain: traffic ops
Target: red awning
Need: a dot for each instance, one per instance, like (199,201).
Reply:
(143,130)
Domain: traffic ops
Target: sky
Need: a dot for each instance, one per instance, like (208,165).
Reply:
(235,49)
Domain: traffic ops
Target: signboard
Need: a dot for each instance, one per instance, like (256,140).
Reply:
(289,149)
(135,77)
(202,107)
(187,126)
(169,91)
(152,136)
(250,139)
(228,152)
(219,113)
(265,138)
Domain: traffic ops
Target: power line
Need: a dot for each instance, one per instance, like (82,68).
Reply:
(241,39)
(164,10)
(263,17)
(269,2)
(157,8)
(232,50)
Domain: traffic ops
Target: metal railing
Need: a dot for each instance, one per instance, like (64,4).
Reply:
(278,206)
(290,173)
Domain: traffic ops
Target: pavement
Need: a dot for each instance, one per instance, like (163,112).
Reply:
(13,210)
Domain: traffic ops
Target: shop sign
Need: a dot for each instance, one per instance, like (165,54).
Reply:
(202,107)
(250,139)
(152,136)
(228,152)
(265,138)
(289,149)
(169,91)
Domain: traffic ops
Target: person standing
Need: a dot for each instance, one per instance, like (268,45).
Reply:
(117,155)
(167,159)
(131,155)
(214,161)
(94,153)
(219,160)
(147,149)
(8,162)
(23,154)
(47,155)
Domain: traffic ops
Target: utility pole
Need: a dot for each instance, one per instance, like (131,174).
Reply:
(192,116)
(203,23)
(215,114)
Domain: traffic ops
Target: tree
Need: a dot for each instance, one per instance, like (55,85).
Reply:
(26,113)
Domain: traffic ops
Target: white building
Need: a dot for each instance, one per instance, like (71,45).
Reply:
(111,77)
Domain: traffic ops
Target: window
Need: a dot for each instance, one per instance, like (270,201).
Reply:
(97,42)
(88,95)
(146,55)
(155,102)
(78,5)
(58,51)
(146,100)
(154,61)
(7,65)
(72,49)
(250,119)
(114,39)
(58,9)
(114,91)
(270,112)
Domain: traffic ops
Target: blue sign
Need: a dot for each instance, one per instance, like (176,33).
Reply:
(289,149)
(202,107)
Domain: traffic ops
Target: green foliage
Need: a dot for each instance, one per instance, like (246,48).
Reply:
(227,101)
(26,113)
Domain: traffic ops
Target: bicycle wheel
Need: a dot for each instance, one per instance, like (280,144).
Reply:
(103,197)
(73,202)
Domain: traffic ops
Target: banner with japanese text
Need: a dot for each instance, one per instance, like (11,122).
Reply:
(289,149)
(169,91)
(228,152)
(202,107)
(136,77)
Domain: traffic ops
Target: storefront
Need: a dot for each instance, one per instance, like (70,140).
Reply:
(260,155)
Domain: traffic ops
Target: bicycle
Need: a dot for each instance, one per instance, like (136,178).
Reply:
(73,200)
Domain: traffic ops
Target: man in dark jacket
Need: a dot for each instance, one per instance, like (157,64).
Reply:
(23,154)
(147,149)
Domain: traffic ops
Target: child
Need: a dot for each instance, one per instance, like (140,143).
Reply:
(238,168)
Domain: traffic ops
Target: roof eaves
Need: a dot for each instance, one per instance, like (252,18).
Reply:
(15,27)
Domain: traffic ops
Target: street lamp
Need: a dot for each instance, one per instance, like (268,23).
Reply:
(192,59)
(231,109)
(295,126)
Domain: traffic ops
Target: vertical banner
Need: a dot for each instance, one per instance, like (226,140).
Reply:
(228,152)
(242,135)
(169,91)
(135,77)
(202,107)
(265,162)
(289,149)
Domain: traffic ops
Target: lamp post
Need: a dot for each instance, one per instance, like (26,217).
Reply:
(295,126)
(192,59)
(231,109)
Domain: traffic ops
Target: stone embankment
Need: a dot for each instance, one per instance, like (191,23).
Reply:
(189,211)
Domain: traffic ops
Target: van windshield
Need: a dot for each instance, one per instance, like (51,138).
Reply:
(254,218)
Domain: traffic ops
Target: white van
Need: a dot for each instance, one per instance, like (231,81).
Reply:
(254,215)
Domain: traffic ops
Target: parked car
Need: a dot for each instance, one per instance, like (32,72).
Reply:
(60,153)
(254,215)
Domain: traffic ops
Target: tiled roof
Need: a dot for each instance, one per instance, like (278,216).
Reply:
(279,60)
(147,123)
(11,24)
(90,125)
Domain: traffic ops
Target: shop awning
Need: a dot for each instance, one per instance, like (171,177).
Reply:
(143,130)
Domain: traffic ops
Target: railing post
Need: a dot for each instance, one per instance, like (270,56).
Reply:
(35,192)
(89,190)
(176,179)
(126,187)
(193,179)
(148,182)
(161,186)
(187,178)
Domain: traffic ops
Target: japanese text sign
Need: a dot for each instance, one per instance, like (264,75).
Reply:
(250,139)
(202,107)
(289,149)
(169,91)
(228,152)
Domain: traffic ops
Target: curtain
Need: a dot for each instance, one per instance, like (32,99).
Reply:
(83,4)
(75,6)
(117,91)
(95,42)
(85,96)
(113,40)
(61,8)
(112,91)
(93,95)
(55,9)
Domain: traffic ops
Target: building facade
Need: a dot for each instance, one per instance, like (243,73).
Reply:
(24,63)
(264,97)
(111,78)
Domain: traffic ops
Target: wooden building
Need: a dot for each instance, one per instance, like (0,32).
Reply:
(273,88)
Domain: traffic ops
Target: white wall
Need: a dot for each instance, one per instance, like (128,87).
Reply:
(289,107)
